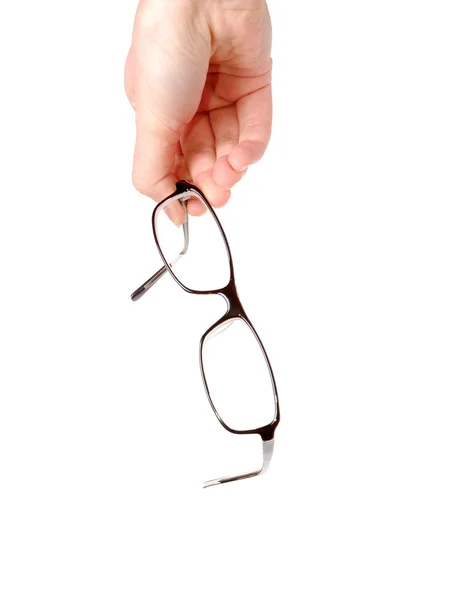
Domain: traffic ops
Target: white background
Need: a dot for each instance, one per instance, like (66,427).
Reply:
(344,246)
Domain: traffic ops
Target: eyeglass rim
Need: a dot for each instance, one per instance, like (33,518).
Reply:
(265,431)
(234,310)
(183,187)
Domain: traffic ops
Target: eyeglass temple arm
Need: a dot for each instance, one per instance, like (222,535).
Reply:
(268,449)
(139,293)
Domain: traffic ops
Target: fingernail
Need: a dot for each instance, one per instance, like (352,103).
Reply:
(237,165)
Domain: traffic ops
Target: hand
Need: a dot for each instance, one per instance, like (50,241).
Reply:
(198,75)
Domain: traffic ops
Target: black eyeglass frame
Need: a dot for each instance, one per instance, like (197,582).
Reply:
(234,311)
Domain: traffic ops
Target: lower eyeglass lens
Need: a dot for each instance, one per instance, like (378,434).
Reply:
(238,377)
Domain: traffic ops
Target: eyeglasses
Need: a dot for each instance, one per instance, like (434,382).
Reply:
(235,368)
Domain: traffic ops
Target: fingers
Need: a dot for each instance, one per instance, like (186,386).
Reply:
(225,125)
(206,144)
(198,146)
(216,195)
(255,120)
(217,147)
(223,88)
(181,168)
(176,212)
(225,177)
(214,150)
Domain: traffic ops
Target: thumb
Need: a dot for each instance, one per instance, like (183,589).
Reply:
(154,158)
(170,78)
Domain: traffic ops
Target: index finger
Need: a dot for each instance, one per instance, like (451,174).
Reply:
(255,123)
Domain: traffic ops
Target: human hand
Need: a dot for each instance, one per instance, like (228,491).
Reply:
(198,75)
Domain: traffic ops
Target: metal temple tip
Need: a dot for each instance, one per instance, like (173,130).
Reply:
(207,484)
(137,294)
(220,480)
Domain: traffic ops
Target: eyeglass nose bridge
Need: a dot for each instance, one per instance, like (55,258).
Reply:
(234,306)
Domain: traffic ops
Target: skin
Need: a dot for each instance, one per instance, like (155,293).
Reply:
(198,75)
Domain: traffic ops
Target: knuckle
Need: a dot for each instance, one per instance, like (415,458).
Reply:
(227,137)
(141,185)
(199,147)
